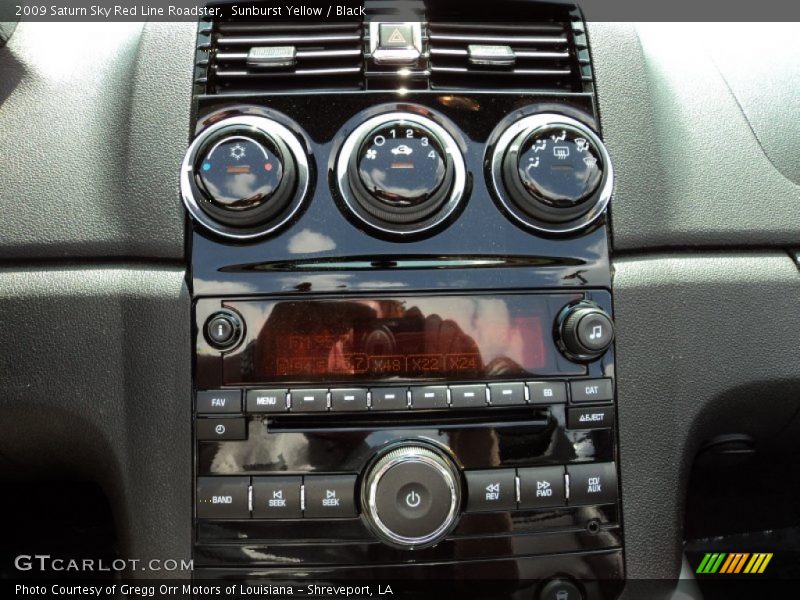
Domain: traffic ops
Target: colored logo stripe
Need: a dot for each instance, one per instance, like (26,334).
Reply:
(735,562)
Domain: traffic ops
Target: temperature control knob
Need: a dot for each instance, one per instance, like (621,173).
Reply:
(552,173)
(401,174)
(586,331)
(411,496)
(244,176)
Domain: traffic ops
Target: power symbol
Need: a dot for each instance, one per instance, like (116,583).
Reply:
(413,500)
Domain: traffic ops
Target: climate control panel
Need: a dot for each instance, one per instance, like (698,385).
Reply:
(399,172)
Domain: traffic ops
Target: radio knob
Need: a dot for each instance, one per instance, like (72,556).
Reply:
(411,496)
(586,332)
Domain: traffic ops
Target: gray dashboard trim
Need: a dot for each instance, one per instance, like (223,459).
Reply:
(95,385)
(690,171)
(94,122)
(706,344)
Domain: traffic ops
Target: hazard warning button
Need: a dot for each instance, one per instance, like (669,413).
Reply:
(396,35)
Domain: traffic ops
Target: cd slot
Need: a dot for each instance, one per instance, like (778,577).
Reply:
(507,417)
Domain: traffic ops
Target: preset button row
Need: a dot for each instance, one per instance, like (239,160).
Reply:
(421,397)
(276,497)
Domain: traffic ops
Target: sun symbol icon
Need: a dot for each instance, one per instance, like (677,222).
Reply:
(237,152)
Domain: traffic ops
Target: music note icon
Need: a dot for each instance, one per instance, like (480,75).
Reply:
(597,332)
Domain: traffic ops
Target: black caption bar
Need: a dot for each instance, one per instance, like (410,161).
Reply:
(473,10)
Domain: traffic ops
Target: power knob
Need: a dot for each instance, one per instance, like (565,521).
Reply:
(411,496)
(585,331)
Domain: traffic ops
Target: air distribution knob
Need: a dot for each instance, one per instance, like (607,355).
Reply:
(411,496)
(552,173)
(586,331)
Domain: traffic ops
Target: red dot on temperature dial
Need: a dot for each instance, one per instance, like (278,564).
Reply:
(268,166)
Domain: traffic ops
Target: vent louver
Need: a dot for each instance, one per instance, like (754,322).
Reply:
(255,57)
(546,56)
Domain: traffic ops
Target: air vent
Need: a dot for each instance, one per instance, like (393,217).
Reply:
(253,57)
(540,56)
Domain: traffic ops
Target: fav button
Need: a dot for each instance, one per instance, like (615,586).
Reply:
(330,496)
(592,484)
(219,401)
(491,490)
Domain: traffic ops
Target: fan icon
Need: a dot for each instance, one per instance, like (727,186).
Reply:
(371,154)
(237,152)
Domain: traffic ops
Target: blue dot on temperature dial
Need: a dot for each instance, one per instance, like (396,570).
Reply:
(206,166)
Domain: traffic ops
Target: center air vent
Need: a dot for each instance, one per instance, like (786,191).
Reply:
(252,57)
(546,56)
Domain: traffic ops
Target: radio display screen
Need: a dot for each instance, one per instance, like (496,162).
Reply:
(446,338)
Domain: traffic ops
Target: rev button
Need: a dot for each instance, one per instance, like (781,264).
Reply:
(491,490)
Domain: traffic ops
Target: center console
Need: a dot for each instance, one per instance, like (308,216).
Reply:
(403,320)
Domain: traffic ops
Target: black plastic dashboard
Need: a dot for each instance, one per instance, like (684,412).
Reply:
(98,295)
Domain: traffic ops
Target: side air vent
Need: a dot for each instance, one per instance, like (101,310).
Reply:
(540,56)
(252,57)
